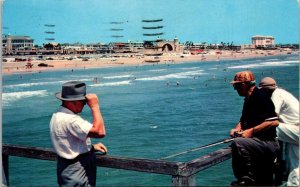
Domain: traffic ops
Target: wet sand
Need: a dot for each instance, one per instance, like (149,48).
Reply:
(20,67)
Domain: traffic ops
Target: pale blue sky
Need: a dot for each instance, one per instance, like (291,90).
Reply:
(212,21)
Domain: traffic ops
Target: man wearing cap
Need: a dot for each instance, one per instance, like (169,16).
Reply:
(254,148)
(287,109)
(70,136)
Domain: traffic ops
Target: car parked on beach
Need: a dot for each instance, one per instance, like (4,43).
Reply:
(49,58)
(43,65)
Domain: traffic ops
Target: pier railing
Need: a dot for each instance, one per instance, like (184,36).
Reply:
(182,173)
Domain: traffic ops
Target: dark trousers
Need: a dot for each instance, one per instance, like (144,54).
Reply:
(80,171)
(253,160)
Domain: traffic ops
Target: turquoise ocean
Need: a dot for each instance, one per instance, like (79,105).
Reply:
(146,114)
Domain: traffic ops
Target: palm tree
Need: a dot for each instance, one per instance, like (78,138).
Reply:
(189,44)
(49,46)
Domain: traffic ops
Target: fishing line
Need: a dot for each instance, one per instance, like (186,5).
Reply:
(199,148)
(209,145)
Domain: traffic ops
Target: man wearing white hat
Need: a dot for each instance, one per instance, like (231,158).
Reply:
(287,109)
(70,136)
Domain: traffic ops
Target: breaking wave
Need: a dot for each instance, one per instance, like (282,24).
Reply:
(157,70)
(265,64)
(14,96)
(24,85)
(120,83)
(117,77)
(181,75)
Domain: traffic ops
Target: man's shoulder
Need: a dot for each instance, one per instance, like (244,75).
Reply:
(283,94)
(64,114)
(260,94)
(281,91)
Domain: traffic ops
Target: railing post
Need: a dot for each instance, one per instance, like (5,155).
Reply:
(5,174)
(184,181)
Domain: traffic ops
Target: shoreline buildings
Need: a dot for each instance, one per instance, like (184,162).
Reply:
(24,45)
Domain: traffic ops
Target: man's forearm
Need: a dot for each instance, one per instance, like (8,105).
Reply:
(98,121)
(98,129)
(265,126)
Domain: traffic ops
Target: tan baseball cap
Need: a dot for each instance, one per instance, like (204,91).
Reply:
(268,83)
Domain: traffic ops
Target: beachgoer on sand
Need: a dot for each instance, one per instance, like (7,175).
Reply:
(70,136)
(287,109)
(254,147)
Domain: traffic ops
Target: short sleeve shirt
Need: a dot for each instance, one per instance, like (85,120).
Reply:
(286,106)
(69,133)
(257,108)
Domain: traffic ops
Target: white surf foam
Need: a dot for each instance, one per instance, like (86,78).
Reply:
(120,83)
(118,77)
(272,59)
(264,64)
(157,70)
(181,75)
(29,84)
(22,85)
(191,68)
(14,96)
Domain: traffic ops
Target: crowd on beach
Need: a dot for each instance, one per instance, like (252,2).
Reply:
(59,62)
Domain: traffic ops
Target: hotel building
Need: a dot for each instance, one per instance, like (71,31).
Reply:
(263,41)
(11,43)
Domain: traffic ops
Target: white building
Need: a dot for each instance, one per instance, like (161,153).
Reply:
(12,43)
(263,41)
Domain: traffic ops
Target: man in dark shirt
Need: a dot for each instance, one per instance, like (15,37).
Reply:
(254,148)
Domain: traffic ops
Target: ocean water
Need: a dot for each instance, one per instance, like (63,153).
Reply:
(146,114)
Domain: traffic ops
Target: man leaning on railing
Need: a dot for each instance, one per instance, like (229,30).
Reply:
(70,136)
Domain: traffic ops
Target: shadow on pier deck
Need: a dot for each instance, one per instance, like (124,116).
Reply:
(182,173)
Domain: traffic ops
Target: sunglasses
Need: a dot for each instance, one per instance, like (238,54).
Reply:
(237,85)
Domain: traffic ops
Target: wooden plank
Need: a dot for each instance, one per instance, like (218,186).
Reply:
(142,165)
(135,164)
(28,152)
(206,161)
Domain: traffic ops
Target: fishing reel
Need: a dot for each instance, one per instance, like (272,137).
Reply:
(237,134)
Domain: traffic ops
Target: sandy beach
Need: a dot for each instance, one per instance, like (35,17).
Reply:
(11,66)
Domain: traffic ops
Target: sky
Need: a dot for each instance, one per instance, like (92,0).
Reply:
(211,21)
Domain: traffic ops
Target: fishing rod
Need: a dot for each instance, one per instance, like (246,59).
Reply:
(199,148)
